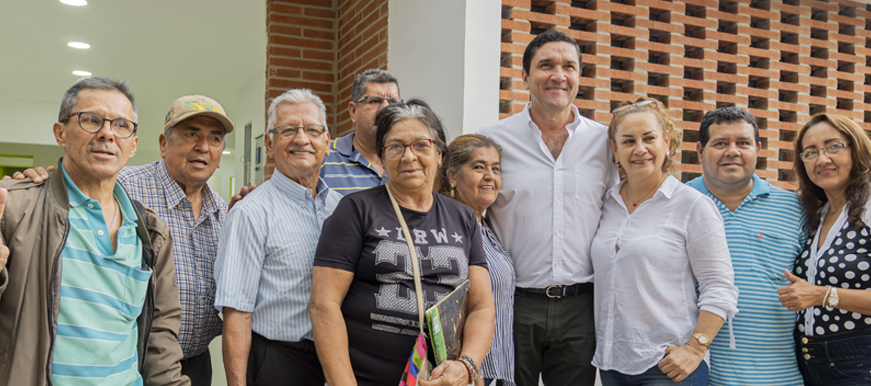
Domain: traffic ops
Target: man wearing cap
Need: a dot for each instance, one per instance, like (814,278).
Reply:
(353,164)
(191,147)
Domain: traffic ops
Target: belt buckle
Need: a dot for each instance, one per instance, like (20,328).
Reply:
(559,287)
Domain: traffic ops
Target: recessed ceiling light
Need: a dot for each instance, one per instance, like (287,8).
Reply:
(79,45)
(81,73)
(75,3)
(226,152)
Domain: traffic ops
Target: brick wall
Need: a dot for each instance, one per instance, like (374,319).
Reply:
(321,45)
(782,60)
(362,43)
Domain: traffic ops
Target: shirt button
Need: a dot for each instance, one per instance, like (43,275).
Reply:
(100,233)
(558,201)
(556,233)
(807,356)
(91,206)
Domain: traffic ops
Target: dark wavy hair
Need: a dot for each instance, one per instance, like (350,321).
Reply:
(812,196)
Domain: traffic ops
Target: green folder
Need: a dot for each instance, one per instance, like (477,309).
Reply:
(445,320)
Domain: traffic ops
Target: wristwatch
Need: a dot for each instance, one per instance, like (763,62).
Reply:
(833,300)
(702,339)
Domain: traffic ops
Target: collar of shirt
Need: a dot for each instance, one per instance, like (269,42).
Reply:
(78,198)
(666,189)
(570,127)
(761,188)
(174,194)
(345,146)
(299,193)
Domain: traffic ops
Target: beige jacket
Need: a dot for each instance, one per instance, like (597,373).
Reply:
(35,226)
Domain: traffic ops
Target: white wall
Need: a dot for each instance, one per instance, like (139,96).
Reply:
(250,107)
(447,53)
(28,121)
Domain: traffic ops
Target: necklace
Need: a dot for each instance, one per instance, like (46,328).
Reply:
(115,217)
(833,210)
(636,202)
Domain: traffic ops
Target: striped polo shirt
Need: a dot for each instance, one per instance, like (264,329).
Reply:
(765,234)
(346,171)
(102,293)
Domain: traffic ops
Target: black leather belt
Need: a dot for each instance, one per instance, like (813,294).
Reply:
(557,291)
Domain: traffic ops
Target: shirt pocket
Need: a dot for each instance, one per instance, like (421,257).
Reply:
(768,250)
(589,185)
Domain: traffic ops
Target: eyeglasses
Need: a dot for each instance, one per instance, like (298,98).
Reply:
(419,147)
(378,100)
(638,104)
(830,149)
(93,122)
(290,131)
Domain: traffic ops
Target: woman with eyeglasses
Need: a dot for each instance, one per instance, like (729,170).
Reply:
(363,306)
(830,287)
(658,240)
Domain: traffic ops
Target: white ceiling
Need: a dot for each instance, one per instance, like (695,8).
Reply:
(164,48)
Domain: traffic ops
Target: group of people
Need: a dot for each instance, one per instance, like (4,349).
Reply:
(580,249)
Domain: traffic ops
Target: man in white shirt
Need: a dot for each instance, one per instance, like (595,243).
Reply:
(556,168)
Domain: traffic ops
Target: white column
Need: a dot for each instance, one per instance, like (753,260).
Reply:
(447,53)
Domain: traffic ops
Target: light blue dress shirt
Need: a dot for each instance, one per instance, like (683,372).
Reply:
(265,256)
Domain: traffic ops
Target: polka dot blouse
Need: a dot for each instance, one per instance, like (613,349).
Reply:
(843,262)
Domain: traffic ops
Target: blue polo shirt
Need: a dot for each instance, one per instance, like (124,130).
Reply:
(765,234)
(346,171)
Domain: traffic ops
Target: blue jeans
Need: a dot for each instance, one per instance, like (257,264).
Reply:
(836,359)
(654,377)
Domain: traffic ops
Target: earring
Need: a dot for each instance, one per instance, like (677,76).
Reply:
(453,191)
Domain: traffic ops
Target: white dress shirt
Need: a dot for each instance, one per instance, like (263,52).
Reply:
(645,293)
(548,209)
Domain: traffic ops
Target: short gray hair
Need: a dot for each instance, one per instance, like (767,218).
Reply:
(70,98)
(295,96)
(373,75)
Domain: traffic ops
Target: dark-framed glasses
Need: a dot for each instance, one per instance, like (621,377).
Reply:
(830,150)
(378,100)
(419,147)
(93,122)
(290,131)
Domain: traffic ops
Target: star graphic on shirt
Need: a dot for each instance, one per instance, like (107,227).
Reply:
(457,238)
(383,232)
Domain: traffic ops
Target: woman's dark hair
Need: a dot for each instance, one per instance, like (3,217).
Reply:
(461,150)
(415,109)
(812,196)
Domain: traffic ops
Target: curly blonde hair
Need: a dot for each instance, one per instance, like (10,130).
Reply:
(662,115)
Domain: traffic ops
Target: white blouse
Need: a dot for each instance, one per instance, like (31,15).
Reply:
(645,293)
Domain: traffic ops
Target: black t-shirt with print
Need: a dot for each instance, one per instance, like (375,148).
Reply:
(845,264)
(363,236)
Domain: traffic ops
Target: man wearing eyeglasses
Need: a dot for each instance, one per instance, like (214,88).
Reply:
(267,249)
(765,232)
(87,294)
(176,187)
(353,164)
